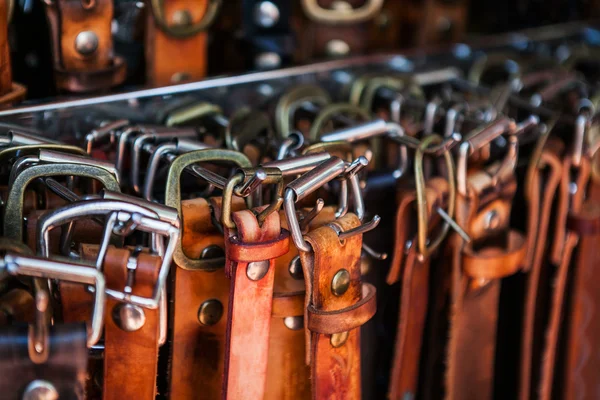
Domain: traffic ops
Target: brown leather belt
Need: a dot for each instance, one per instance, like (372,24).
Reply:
(9,92)
(128,346)
(251,254)
(337,304)
(176,29)
(476,277)
(84,60)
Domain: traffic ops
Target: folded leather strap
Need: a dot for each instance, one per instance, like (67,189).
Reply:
(200,302)
(9,92)
(288,374)
(476,278)
(130,358)
(562,251)
(251,254)
(541,186)
(414,292)
(65,368)
(167,54)
(82,44)
(335,358)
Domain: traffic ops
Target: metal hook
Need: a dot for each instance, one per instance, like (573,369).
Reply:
(307,219)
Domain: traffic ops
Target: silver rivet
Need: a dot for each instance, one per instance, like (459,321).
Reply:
(337,48)
(256,270)
(340,282)
(492,220)
(210,312)
(86,43)
(40,390)
(295,269)
(179,77)
(268,60)
(182,18)
(294,323)
(128,317)
(338,339)
(266,14)
(212,251)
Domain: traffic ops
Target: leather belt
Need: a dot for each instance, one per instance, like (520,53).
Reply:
(174,30)
(128,346)
(10,92)
(333,283)
(82,44)
(251,254)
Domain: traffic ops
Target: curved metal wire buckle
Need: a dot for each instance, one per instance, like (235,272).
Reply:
(105,130)
(341,16)
(485,62)
(173,197)
(184,31)
(425,250)
(19,265)
(123,219)
(294,99)
(246,125)
(6,154)
(333,110)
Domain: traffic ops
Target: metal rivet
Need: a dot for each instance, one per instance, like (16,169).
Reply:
(443,24)
(337,48)
(342,6)
(338,339)
(86,43)
(182,18)
(408,396)
(256,270)
(128,317)
(294,323)
(212,251)
(179,77)
(340,282)
(210,312)
(295,269)
(266,14)
(40,390)
(492,220)
(268,60)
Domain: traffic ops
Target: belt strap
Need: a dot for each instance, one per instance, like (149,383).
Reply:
(335,358)
(82,43)
(168,58)
(541,186)
(9,92)
(65,368)
(251,255)
(200,303)
(130,357)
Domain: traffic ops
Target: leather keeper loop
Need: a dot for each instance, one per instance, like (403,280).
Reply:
(91,80)
(290,305)
(495,263)
(330,322)
(241,252)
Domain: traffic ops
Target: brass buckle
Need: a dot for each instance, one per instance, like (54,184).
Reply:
(289,103)
(173,197)
(183,31)
(341,16)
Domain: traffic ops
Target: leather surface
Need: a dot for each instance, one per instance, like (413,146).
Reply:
(127,352)
(5,68)
(166,55)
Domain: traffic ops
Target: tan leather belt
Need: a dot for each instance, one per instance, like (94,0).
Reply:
(129,346)
(9,92)
(176,40)
(337,304)
(251,254)
(84,59)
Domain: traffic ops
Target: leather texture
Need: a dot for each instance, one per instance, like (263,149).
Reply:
(167,57)
(130,351)
(250,301)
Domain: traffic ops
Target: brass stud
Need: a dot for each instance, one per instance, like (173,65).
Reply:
(294,323)
(256,270)
(86,43)
(338,339)
(340,282)
(295,269)
(182,18)
(179,77)
(128,317)
(337,48)
(210,312)
(40,390)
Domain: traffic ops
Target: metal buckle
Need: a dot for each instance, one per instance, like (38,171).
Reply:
(342,16)
(105,130)
(173,197)
(245,126)
(19,265)
(183,31)
(289,103)
(332,110)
